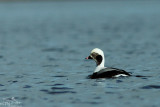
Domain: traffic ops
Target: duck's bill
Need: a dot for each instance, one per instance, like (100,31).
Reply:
(89,57)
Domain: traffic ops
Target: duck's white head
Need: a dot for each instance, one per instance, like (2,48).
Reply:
(98,56)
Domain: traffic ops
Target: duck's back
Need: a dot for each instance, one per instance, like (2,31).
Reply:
(109,73)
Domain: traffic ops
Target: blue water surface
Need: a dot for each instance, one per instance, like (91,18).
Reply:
(43,46)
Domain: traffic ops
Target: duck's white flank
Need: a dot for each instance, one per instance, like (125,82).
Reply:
(119,75)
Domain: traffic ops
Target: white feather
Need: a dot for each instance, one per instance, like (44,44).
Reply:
(119,75)
(100,52)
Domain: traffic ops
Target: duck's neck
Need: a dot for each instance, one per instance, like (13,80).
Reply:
(100,66)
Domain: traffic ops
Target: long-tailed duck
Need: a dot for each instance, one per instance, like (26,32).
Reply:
(104,72)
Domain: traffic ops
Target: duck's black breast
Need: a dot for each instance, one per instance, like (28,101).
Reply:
(109,73)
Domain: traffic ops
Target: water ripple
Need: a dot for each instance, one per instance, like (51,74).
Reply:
(151,87)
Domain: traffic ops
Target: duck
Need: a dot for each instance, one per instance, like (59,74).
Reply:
(101,71)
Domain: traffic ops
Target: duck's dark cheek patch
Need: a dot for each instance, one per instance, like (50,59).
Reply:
(99,59)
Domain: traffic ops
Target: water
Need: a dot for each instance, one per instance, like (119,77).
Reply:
(43,46)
